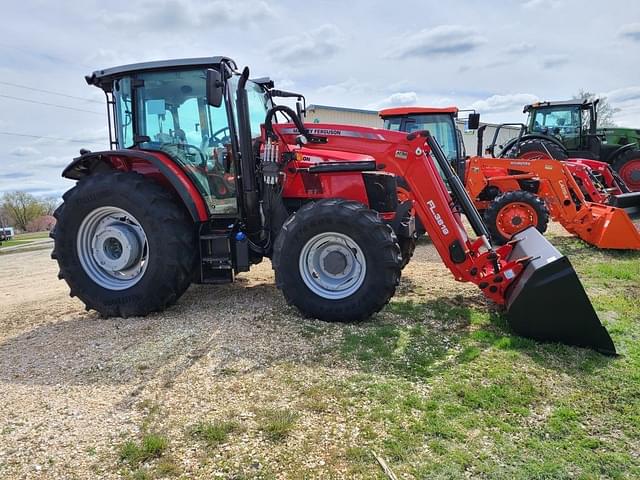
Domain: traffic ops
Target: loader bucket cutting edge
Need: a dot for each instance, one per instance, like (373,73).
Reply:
(548,302)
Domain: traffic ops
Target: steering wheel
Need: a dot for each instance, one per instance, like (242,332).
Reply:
(188,146)
(220,138)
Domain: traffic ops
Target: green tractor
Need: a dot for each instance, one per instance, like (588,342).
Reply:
(569,130)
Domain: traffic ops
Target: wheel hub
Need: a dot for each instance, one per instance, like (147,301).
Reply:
(513,217)
(112,248)
(335,262)
(332,265)
(115,247)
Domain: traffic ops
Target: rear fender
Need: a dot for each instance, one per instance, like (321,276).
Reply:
(152,164)
(530,136)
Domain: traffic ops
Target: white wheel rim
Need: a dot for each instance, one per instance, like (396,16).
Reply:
(332,265)
(112,248)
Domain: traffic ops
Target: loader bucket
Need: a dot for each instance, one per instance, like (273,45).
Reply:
(547,302)
(613,227)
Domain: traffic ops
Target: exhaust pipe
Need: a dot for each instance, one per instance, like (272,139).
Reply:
(247,163)
(548,302)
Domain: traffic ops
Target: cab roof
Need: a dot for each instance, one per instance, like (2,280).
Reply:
(104,78)
(565,103)
(398,111)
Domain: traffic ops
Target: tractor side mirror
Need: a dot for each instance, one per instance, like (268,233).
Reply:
(473,122)
(214,88)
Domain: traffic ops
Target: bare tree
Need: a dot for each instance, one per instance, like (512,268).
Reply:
(49,205)
(21,208)
(606,111)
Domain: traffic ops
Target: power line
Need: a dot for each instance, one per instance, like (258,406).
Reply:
(13,134)
(51,104)
(49,91)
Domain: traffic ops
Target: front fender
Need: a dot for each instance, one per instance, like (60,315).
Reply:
(156,165)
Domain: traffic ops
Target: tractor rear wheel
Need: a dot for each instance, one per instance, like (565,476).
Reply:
(123,244)
(336,260)
(628,167)
(537,148)
(513,212)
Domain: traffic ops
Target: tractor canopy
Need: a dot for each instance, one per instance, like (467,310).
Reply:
(166,107)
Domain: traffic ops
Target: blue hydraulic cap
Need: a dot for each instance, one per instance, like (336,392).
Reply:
(240,236)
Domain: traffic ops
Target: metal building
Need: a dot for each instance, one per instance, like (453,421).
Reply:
(370,118)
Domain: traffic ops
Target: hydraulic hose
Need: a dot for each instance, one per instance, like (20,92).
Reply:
(268,121)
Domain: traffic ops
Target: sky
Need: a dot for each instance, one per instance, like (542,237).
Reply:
(494,56)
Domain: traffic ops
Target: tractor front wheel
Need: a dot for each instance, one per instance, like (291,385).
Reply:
(512,212)
(336,260)
(123,244)
(628,167)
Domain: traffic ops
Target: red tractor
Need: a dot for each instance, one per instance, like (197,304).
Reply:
(201,183)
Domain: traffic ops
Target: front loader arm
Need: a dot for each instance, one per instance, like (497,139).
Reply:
(470,261)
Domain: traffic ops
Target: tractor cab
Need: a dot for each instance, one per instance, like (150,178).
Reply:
(572,122)
(165,107)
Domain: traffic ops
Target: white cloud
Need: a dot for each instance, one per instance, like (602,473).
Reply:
(24,152)
(314,45)
(441,40)
(504,103)
(630,31)
(397,99)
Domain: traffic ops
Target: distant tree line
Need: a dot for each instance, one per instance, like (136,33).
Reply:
(25,211)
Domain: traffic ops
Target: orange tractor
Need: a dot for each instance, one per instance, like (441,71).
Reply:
(201,183)
(516,193)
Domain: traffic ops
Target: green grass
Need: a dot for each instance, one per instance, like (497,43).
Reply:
(277,423)
(32,236)
(23,239)
(151,446)
(14,242)
(214,433)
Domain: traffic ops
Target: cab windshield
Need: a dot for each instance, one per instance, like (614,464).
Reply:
(557,120)
(168,112)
